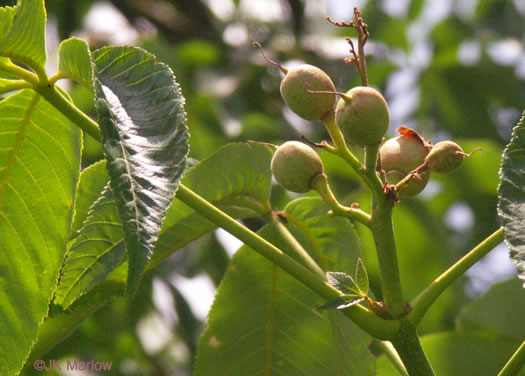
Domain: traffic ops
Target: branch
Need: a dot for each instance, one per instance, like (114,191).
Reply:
(515,363)
(425,299)
(84,122)
(295,247)
(368,321)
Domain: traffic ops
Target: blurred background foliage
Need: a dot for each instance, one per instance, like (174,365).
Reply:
(451,69)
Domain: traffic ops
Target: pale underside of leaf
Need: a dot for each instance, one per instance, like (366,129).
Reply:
(145,140)
(511,198)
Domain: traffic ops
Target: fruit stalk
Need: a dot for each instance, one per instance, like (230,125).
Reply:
(320,184)
(372,181)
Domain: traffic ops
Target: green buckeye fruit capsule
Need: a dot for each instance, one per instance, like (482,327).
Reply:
(299,86)
(294,165)
(401,155)
(362,115)
(444,157)
(298,91)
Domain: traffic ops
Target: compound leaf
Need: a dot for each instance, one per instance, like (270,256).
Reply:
(145,140)
(511,198)
(240,181)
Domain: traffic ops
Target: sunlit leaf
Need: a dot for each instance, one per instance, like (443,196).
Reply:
(92,181)
(24,36)
(511,198)
(7,15)
(145,140)
(74,61)
(39,168)
(94,253)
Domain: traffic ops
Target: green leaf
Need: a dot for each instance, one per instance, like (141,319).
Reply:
(7,16)
(145,139)
(39,168)
(454,354)
(242,188)
(94,253)
(74,61)
(264,322)
(499,311)
(92,181)
(511,198)
(415,8)
(341,302)
(332,241)
(361,278)
(26,39)
(244,180)
(343,282)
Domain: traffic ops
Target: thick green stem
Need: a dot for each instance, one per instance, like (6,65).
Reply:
(297,250)
(425,299)
(320,184)
(515,363)
(53,96)
(410,351)
(383,233)
(340,143)
(377,327)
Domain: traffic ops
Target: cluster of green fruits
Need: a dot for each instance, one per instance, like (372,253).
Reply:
(363,117)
